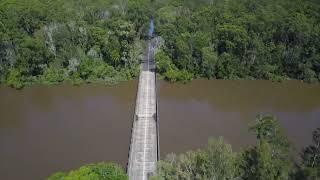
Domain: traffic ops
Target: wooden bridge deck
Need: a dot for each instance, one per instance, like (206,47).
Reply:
(143,154)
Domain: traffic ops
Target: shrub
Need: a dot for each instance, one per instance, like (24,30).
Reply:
(100,171)
(52,76)
(15,79)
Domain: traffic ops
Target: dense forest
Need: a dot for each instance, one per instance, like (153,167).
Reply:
(49,42)
(272,158)
(239,39)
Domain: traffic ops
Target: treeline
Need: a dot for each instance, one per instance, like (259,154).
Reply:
(48,42)
(272,158)
(239,39)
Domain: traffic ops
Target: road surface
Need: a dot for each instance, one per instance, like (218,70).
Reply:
(143,153)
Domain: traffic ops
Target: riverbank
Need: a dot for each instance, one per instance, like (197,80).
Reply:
(54,77)
(93,75)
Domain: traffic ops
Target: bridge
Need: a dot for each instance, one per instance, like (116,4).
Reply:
(144,146)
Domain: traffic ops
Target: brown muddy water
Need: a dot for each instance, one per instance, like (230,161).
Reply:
(49,129)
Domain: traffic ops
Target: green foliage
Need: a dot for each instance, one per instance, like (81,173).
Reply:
(272,157)
(139,12)
(33,55)
(164,63)
(227,67)
(266,127)
(222,39)
(15,79)
(52,76)
(220,160)
(265,39)
(166,14)
(265,168)
(100,171)
(232,39)
(94,70)
(75,79)
(174,75)
(169,70)
(216,161)
(311,158)
(31,20)
(209,64)
(37,35)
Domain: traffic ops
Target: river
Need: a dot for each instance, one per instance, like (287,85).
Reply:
(49,129)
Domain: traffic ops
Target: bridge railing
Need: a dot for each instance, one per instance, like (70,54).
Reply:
(157,110)
(132,127)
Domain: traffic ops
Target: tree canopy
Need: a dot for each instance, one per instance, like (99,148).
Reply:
(222,39)
(100,171)
(241,39)
(79,41)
